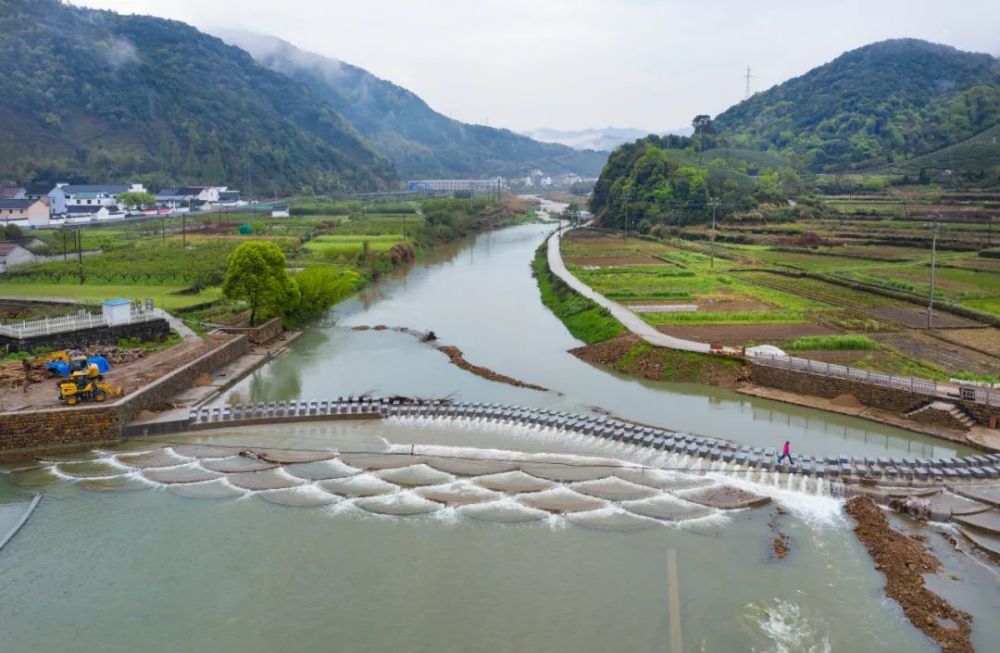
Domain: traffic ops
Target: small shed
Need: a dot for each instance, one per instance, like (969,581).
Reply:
(117,311)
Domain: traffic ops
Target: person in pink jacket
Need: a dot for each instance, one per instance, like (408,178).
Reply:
(786,453)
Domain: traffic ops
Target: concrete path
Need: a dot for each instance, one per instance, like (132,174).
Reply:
(630,320)
(183,330)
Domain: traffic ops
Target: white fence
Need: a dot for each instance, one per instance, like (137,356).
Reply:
(922,386)
(77,322)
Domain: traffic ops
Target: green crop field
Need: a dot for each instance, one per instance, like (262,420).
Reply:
(164,296)
(332,246)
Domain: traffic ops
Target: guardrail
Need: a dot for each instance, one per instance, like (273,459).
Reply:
(909,383)
(77,322)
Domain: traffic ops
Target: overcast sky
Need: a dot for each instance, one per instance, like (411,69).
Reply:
(571,64)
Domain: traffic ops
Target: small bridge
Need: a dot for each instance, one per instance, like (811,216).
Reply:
(846,469)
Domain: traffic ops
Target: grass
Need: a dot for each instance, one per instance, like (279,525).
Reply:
(675,365)
(833,343)
(164,296)
(725,317)
(585,320)
(332,246)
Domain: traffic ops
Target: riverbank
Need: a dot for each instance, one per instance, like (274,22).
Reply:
(609,345)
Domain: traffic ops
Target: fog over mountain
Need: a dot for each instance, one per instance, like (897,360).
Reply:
(606,138)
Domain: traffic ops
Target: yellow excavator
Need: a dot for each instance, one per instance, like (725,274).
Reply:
(86,385)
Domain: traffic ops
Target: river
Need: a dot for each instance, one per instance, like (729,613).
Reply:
(162,567)
(482,298)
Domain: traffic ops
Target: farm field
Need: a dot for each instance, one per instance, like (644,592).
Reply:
(154,260)
(333,246)
(164,296)
(756,293)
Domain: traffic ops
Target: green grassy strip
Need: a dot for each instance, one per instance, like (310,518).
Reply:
(585,320)
(725,317)
(833,343)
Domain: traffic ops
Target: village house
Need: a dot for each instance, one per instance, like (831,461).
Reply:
(77,214)
(197,197)
(12,254)
(65,196)
(12,193)
(38,192)
(24,212)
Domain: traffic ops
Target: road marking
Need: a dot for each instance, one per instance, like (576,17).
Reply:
(676,641)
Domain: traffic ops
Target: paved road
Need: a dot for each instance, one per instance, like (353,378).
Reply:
(630,320)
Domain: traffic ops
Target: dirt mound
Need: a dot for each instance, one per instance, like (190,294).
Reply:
(904,560)
(608,352)
(458,358)
(203,379)
(847,401)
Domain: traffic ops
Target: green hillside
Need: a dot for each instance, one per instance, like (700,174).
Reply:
(420,141)
(98,96)
(978,154)
(665,180)
(878,105)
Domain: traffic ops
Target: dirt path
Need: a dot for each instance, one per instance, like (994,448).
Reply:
(904,560)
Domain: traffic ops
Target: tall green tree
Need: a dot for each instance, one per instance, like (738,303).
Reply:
(256,273)
(136,199)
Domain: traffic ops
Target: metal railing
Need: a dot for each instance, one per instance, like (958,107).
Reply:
(909,383)
(79,321)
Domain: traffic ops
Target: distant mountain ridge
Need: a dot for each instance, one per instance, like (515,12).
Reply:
(95,95)
(879,104)
(607,138)
(419,141)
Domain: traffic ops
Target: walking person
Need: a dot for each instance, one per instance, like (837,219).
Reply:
(786,452)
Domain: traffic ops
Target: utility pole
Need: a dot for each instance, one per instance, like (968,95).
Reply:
(747,95)
(184,241)
(715,204)
(935,228)
(79,255)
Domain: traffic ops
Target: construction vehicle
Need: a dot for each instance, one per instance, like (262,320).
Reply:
(63,362)
(86,385)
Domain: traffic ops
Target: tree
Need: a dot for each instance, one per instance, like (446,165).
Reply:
(704,130)
(321,286)
(12,232)
(703,124)
(135,199)
(256,274)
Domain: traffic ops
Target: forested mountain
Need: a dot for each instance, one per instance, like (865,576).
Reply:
(94,95)
(419,141)
(879,104)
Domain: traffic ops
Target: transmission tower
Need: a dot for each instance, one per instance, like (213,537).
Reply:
(747,95)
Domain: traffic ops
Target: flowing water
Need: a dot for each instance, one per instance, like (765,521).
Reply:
(425,535)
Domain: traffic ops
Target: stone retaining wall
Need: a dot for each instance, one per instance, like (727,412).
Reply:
(103,335)
(260,334)
(29,433)
(876,396)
